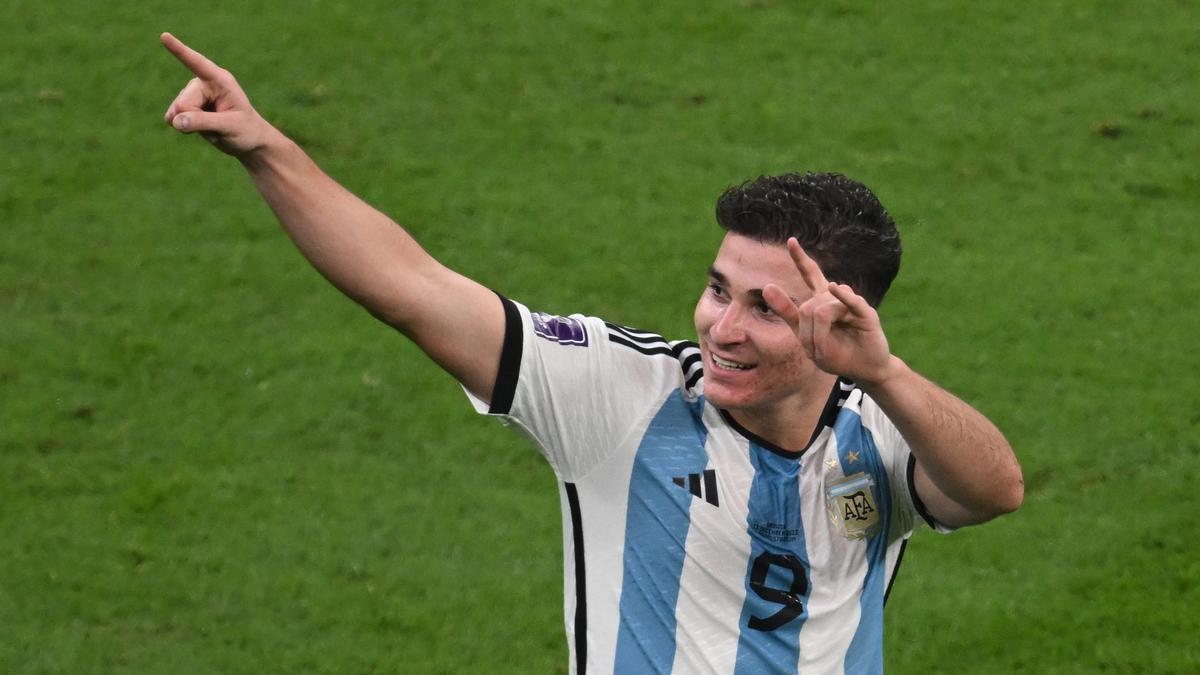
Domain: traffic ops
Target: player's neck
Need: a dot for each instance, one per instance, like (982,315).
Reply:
(789,424)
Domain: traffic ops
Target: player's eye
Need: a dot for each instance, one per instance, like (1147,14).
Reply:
(764,309)
(716,289)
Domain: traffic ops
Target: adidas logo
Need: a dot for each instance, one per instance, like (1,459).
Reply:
(703,485)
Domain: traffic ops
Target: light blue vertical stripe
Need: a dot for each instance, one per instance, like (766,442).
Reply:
(858,453)
(775,526)
(656,528)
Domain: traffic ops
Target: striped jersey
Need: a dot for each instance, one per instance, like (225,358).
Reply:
(691,546)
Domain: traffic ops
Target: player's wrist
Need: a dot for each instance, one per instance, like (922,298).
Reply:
(269,147)
(891,372)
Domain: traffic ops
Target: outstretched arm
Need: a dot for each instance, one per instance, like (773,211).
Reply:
(456,321)
(966,472)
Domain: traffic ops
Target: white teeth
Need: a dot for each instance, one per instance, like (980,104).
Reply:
(731,365)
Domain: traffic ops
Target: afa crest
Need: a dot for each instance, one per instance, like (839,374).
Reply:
(852,506)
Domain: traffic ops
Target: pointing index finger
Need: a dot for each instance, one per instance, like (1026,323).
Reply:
(814,278)
(196,62)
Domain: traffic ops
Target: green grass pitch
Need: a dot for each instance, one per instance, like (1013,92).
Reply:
(210,462)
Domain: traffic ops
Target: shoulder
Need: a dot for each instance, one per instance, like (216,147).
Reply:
(583,347)
(657,351)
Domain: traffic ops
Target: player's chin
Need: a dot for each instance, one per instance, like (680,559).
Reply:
(724,396)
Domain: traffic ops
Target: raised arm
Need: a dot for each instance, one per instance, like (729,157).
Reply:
(456,321)
(966,472)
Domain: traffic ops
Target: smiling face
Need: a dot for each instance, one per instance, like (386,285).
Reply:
(754,366)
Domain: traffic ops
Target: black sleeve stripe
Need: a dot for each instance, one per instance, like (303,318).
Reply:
(895,571)
(694,378)
(580,580)
(916,498)
(510,360)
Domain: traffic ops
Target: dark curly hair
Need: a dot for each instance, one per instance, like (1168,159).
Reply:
(838,221)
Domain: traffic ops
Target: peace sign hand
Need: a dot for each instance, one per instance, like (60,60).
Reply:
(214,105)
(836,327)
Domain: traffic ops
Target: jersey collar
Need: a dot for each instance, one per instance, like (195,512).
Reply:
(841,390)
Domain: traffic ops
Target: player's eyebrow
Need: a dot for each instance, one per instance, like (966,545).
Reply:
(755,294)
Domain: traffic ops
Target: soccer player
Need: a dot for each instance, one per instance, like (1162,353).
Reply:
(735,505)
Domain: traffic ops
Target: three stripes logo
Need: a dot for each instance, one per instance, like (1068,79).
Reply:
(703,485)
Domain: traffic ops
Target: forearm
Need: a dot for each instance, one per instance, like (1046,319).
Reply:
(459,323)
(962,454)
(358,249)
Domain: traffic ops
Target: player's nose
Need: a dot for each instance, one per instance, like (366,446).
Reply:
(729,327)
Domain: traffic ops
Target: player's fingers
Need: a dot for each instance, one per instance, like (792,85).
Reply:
(208,123)
(809,270)
(830,310)
(855,303)
(805,322)
(193,60)
(823,313)
(781,304)
(191,97)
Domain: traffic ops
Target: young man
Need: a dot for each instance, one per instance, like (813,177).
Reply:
(735,505)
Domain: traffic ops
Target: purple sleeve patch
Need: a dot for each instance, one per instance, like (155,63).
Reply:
(560,329)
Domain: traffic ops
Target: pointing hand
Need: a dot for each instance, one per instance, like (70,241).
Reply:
(214,105)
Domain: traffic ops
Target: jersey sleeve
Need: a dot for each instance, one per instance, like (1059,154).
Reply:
(575,389)
(908,510)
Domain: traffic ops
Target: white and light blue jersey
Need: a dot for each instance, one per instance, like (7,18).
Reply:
(690,545)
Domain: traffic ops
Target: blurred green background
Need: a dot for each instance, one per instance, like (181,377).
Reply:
(213,463)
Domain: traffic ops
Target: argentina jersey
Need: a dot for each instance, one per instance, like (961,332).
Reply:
(690,545)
